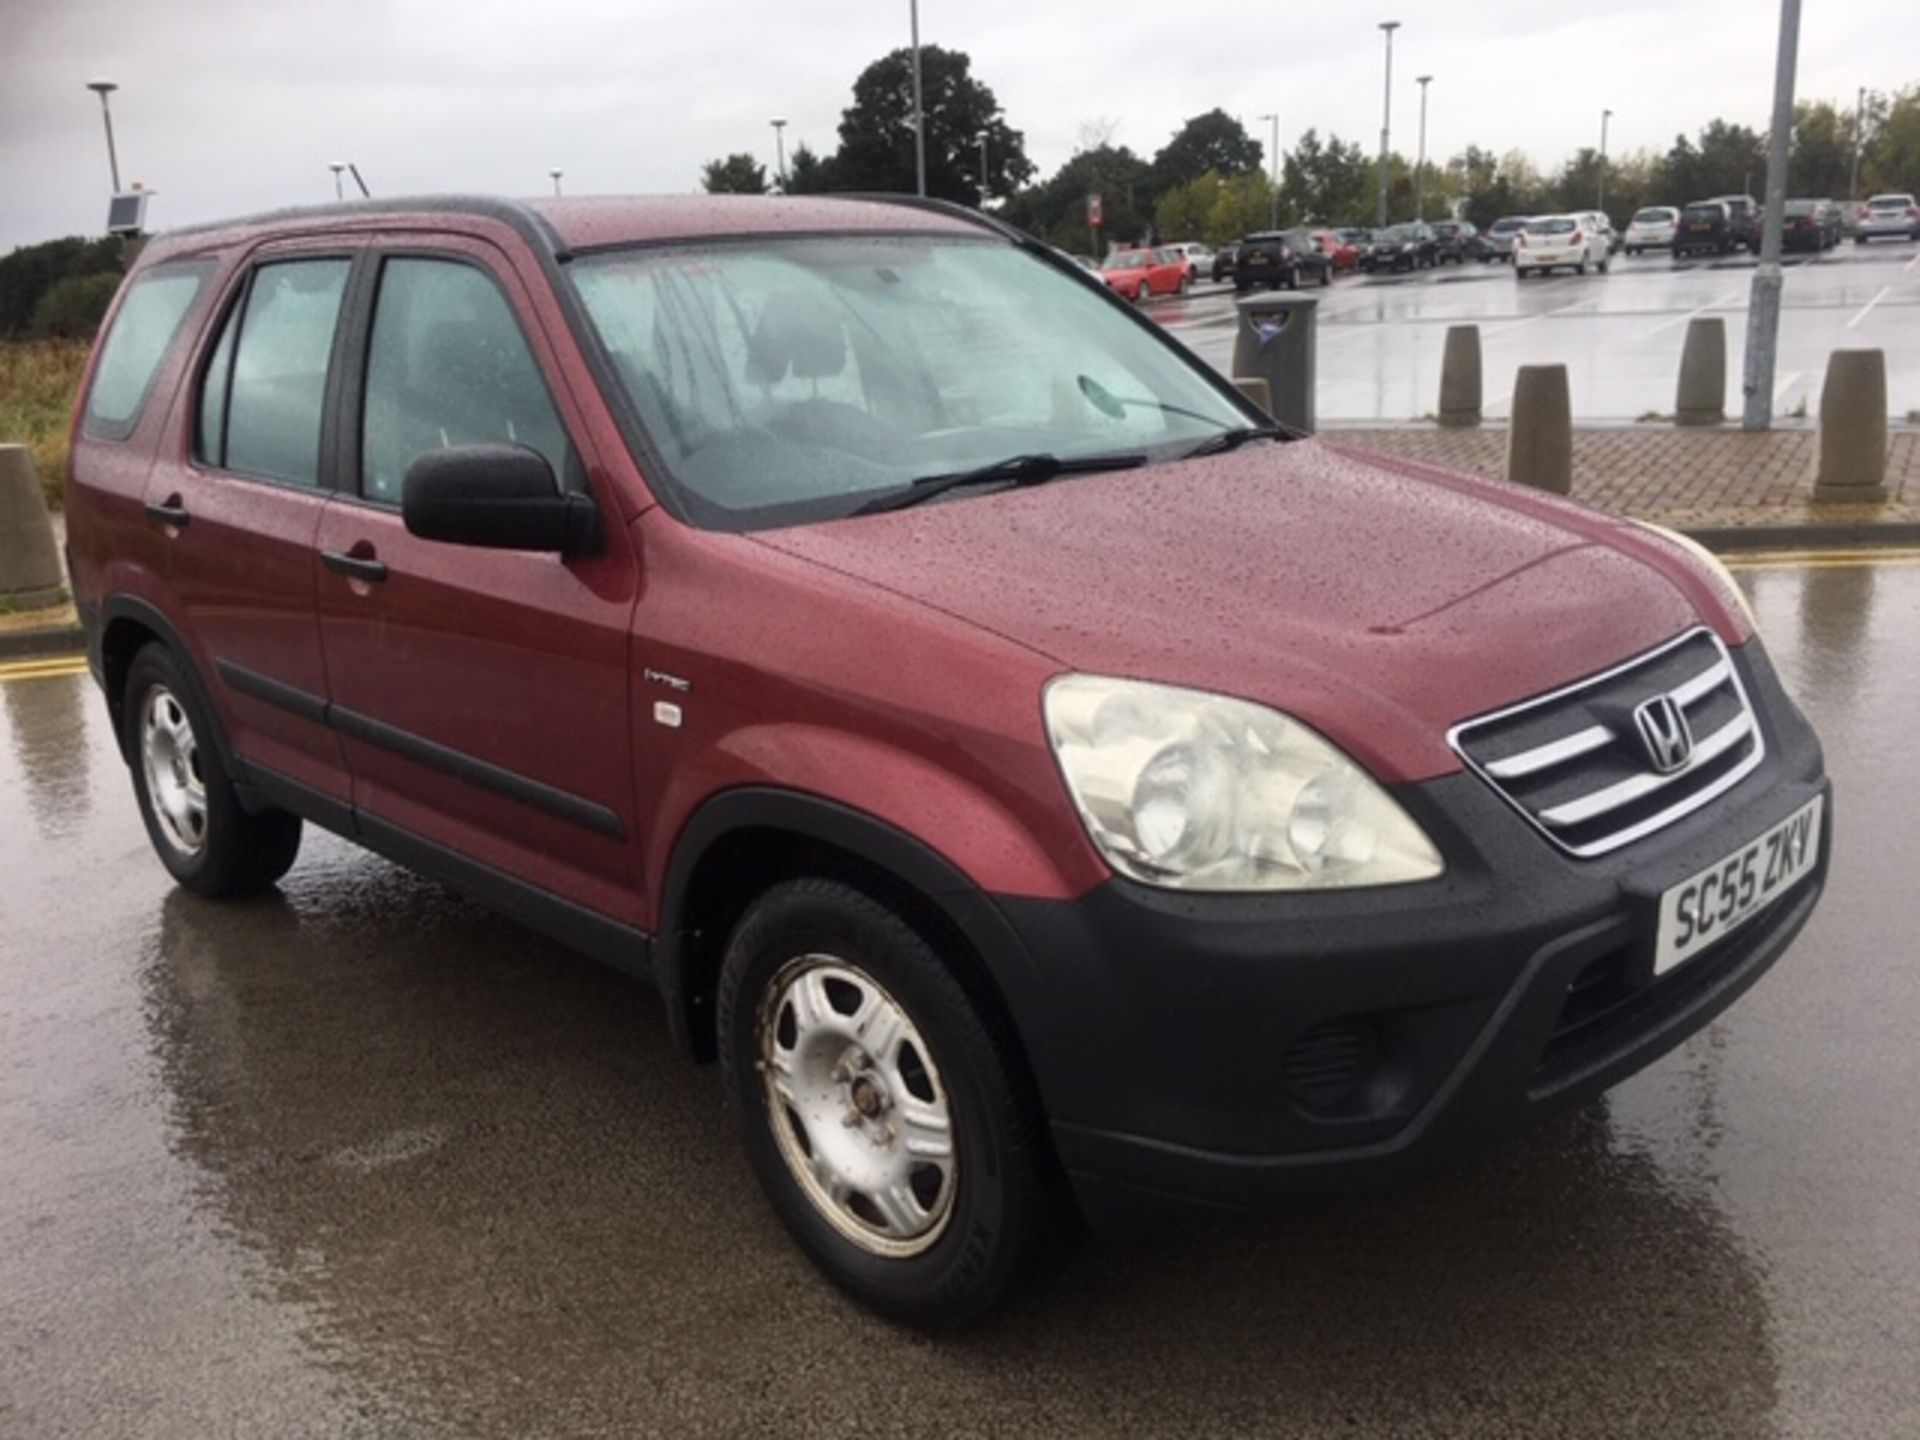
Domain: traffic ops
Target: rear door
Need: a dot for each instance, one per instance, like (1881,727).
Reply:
(481,695)
(242,504)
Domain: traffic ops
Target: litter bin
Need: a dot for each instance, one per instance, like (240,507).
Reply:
(1275,343)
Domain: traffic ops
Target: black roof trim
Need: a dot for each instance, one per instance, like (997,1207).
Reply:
(532,226)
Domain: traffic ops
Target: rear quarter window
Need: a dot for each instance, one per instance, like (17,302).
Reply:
(143,331)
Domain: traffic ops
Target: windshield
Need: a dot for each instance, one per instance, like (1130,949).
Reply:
(1509,225)
(1559,225)
(1129,260)
(1704,212)
(1399,234)
(1655,216)
(791,380)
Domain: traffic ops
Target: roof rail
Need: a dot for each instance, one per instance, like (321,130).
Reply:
(532,226)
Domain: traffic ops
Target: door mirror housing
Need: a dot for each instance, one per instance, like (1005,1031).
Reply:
(502,497)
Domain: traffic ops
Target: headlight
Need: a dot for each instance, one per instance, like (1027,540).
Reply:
(1712,563)
(1202,792)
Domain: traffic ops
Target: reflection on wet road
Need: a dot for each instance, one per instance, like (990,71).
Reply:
(361,1158)
(1619,334)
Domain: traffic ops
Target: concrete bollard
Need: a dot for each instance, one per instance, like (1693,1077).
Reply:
(1853,428)
(1540,439)
(1460,377)
(30,573)
(1256,390)
(1701,397)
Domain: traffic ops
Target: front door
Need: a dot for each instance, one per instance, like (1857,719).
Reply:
(481,695)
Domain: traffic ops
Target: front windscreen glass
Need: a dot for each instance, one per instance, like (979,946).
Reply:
(782,381)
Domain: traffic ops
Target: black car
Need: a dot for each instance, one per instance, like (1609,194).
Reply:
(1223,262)
(1744,214)
(1459,241)
(1275,258)
(1810,225)
(1706,228)
(1402,247)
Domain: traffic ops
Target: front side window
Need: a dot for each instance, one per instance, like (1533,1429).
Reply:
(786,380)
(448,365)
(142,334)
(264,393)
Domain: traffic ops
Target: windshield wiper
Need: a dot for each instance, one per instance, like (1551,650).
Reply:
(1233,439)
(1016,470)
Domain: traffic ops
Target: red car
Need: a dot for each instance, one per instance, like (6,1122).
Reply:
(1344,255)
(1030,773)
(1138,274)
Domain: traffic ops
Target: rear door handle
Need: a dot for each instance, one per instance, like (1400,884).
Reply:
(171,513)
(356,567)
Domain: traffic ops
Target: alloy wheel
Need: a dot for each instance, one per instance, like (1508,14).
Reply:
(170,762)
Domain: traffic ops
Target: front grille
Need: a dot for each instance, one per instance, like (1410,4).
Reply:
(1575,764)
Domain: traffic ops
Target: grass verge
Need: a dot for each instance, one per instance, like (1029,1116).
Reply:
(38,379)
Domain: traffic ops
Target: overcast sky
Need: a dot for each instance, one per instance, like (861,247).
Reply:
(228,106)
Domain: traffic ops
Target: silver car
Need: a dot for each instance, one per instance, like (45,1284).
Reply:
(1887,216)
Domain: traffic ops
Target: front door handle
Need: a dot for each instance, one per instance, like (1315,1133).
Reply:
(354,567)
(170,513)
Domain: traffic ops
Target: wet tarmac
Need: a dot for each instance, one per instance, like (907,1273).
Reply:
(1619,334)
(362,1159)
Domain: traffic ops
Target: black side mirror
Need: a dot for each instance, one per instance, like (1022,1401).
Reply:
(502,497)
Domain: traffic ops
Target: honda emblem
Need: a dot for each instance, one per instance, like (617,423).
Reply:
(1664,733)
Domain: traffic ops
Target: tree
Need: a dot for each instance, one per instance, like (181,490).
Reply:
(1820,161)
(1893,147)
(27,273)
(807,172)
(73,308)
(876,131)
(737,174)
(1332,182)
(1211,144)
(1057,210)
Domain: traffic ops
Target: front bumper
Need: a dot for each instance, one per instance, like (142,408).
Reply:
(1239,1050)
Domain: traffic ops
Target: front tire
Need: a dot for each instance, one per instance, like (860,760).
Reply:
(207,841)
(885,1112)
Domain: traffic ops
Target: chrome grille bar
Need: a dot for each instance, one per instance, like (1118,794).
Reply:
(1556,752)
(1593,806)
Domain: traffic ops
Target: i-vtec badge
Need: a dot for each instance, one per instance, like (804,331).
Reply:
(1664,733)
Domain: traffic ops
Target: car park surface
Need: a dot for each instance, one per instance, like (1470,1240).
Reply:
(1380,337)
(362,1159)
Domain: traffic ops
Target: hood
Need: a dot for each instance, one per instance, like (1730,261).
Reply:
(1379,602)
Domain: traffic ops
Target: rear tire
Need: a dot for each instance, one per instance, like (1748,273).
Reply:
(933,1232)
(206,840)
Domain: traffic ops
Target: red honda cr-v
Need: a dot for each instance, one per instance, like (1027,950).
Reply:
(1029,773)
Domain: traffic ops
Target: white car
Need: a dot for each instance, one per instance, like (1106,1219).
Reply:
(1883,216)
(1199,260)
(1652,229)
(1560,242)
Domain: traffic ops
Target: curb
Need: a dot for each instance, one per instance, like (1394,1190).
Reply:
(57,640)
(1809,535)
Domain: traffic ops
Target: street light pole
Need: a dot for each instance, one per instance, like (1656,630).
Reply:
(338,167)
(556,174)
(1763,305)
(1420,168)
(982,138)
(104,88)
(780,150)
(1600,201)
(1859,137)
(919,110)
(1386,118)
(1273,191)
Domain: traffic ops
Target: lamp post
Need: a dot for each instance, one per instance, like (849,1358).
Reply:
(1763,303)
(780,150)
(1273,191)
(556,174)
(919,110)
(1387,27)
(339,168)
(104,88)
(1600,201)
(1859,138)
(982,138)
(1420,166)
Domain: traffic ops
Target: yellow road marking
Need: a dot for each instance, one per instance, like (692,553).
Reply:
(44,669)
(1821,559)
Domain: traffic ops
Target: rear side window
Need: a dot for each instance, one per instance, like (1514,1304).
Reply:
(265,388)
(142,333)
(448,365)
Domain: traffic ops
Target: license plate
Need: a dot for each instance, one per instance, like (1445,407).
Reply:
(1256,260)
(1721,898)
